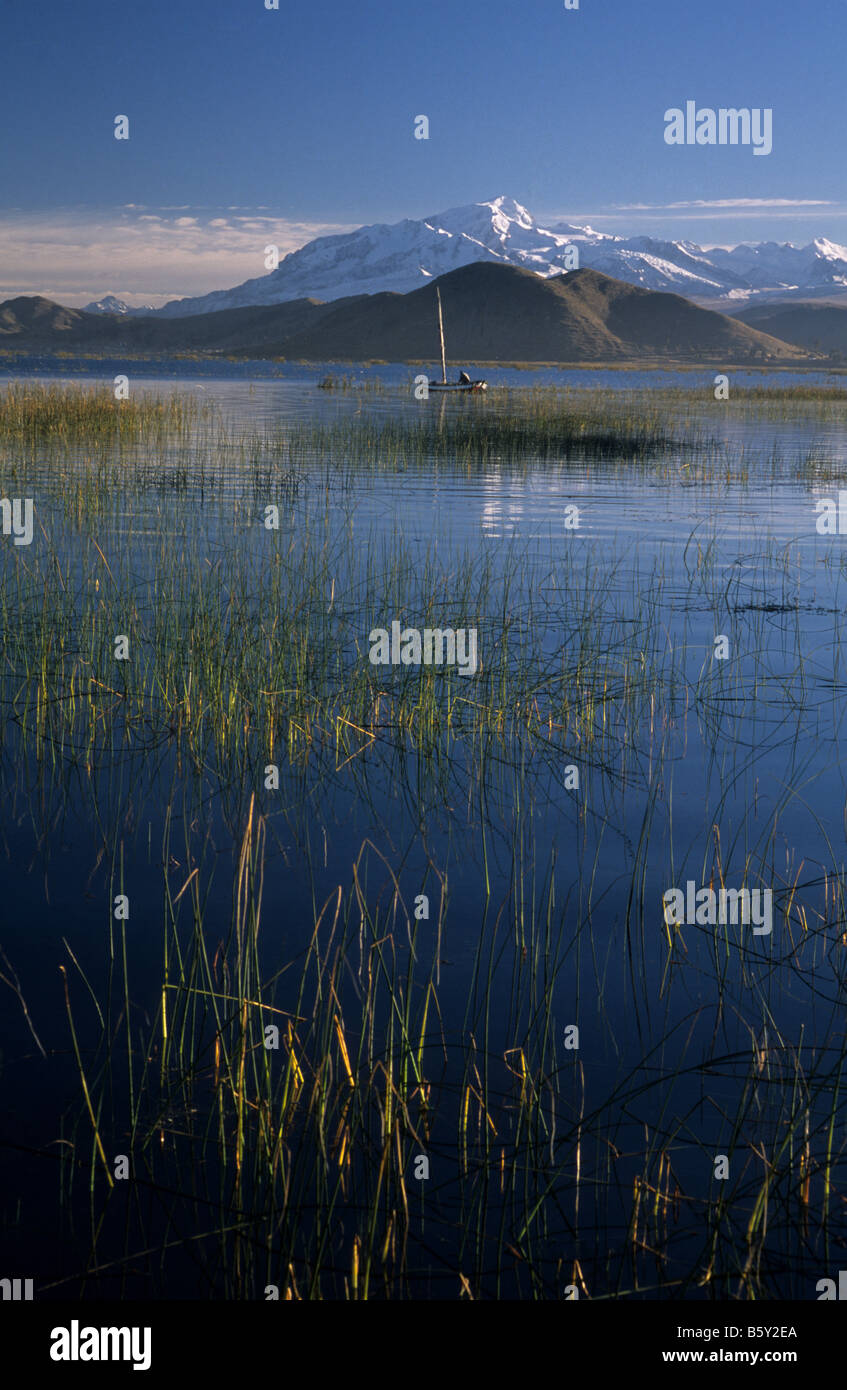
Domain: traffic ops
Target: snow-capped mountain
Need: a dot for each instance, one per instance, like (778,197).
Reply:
(771,265)
(402,256)
(110,304)
(678,266)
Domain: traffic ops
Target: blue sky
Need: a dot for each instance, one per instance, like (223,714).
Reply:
(248,126)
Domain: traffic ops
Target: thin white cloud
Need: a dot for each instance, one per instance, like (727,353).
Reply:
(74,255)
(704,209)
(745,203)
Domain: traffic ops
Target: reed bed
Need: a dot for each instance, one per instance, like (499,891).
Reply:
(51,415)
(534,426)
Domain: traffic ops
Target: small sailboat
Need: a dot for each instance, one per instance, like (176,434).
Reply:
(464,383)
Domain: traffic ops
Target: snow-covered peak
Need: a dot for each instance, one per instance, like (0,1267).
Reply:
(499,213)
(829,250)
(111,304)
(506,211)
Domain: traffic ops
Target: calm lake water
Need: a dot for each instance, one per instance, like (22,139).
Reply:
(695,1041)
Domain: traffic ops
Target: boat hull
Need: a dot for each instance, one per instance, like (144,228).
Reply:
(447,386)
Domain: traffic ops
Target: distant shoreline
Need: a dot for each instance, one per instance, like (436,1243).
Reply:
(12,361)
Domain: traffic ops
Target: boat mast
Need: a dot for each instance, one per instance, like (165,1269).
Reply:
(441,331)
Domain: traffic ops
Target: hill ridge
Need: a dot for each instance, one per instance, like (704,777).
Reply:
(493,312)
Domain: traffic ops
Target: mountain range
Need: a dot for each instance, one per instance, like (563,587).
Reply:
(493,312)
(403,256)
